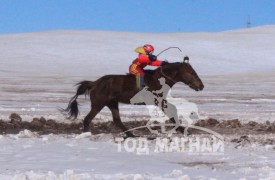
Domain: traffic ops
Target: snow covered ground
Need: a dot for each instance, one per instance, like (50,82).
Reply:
(38,70)
(29,156)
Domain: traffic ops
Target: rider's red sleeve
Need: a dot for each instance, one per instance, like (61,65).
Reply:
(142,58)
(156,63)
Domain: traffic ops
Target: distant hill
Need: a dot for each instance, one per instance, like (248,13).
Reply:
(95,53)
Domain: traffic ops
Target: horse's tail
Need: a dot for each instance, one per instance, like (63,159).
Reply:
(84,87)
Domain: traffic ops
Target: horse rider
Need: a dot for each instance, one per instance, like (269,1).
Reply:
(145,57)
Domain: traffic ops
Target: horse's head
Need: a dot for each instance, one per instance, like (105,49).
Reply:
(189,76)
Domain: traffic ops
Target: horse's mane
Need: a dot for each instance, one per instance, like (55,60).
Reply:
(167,66)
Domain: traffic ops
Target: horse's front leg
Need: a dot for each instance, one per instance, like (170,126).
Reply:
(171,111)
(113,106)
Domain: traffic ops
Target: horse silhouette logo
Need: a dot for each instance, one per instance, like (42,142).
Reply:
(160,107)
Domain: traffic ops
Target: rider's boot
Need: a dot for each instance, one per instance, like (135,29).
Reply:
(140,82)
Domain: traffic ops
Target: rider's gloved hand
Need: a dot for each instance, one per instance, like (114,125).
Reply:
(152,57)
(164,63)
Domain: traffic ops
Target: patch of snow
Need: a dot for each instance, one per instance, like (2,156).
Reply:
(83,135)
(90,157)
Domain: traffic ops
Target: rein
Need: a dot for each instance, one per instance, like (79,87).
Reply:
(166,75)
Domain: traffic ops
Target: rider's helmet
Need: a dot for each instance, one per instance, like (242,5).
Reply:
(149,49)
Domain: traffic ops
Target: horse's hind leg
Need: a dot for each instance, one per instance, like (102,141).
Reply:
(113,106)
(87,120)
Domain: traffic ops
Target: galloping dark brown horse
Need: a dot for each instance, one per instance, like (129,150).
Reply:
(109,90)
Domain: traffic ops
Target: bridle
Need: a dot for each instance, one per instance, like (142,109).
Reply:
(186,60)
(169,78)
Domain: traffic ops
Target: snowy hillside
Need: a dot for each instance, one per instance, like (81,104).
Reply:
(94,53)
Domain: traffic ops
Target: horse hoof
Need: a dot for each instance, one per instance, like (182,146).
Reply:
(181,129)
(130,135)
(86,130)
(187,133)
